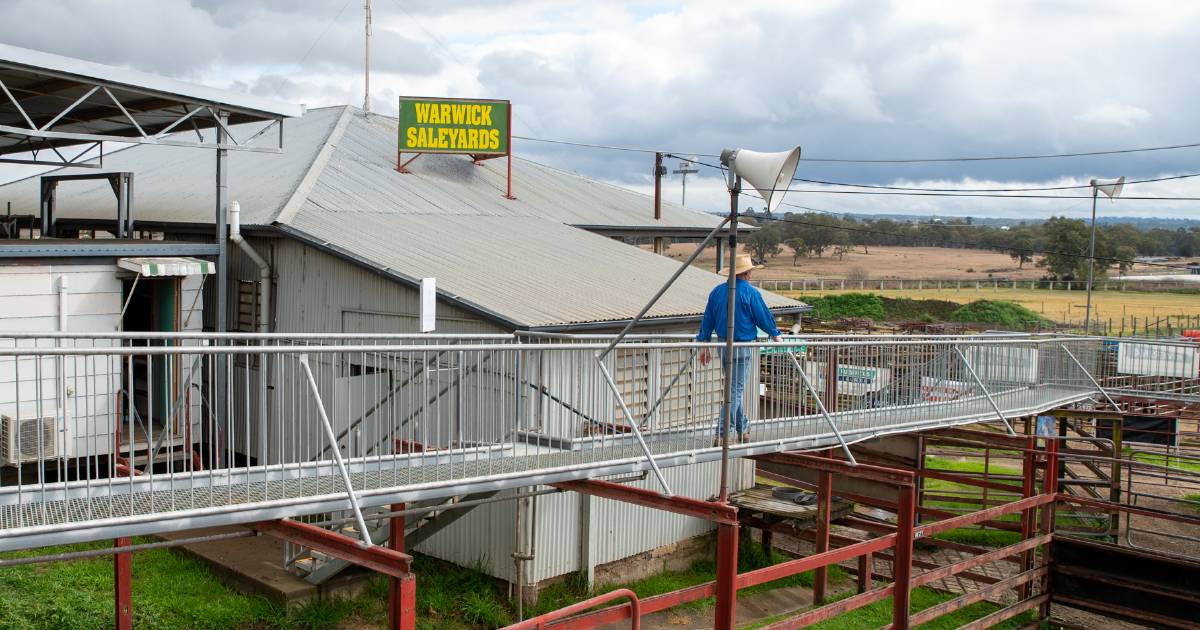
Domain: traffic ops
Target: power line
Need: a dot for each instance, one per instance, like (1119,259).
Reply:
(328,24)
(609,147)
(964,192)
(990,158)
(982,195)
(1033,189)
(986,158)
(967,243)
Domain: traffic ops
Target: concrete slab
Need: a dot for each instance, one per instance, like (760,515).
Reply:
(255,565)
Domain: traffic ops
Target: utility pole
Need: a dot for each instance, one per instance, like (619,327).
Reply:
(659,171)
(367,56)
(685,167)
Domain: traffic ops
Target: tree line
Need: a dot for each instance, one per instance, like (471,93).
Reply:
(1059,244)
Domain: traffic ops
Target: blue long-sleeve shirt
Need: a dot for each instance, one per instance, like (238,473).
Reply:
(751,314)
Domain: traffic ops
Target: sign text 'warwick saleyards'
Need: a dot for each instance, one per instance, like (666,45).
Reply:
(439,125)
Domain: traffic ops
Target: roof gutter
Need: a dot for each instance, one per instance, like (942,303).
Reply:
(649,321)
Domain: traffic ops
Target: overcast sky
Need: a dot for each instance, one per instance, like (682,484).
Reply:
(841,78)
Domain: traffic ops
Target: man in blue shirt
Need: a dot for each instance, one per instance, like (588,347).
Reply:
(750,315)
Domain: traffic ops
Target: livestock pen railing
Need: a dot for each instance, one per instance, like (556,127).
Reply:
(126,434)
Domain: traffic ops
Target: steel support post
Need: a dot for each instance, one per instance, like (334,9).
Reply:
(906,506)
(1114,490)
(727,560)
(123,586)
(221,372)
(821,543)
(402,591)
(1049,487)
(1028,473)
(728,361)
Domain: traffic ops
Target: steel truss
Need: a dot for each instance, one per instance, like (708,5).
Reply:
(162,121)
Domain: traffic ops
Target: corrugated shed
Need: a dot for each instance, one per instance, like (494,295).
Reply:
(526,269)
(516,262)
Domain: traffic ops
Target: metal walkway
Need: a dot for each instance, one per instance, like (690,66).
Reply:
(138,506)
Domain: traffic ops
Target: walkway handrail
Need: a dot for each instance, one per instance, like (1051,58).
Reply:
(540,622)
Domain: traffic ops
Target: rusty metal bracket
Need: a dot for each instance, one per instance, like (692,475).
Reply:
(714,512)
(387,561)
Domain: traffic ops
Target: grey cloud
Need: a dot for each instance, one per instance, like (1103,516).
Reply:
(175,38)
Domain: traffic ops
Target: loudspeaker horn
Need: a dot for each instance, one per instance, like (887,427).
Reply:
(1111,189)
(769,173)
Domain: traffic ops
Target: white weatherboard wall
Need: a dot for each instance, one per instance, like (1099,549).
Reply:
(83,402)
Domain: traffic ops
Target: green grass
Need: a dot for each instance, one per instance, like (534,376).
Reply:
(880,614)
(997,312)
(453,597)
(1171,461)
(1195,506)
(169,591)
(751,556)
(907,309)
(866,305)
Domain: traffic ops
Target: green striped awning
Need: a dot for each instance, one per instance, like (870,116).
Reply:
(168,266)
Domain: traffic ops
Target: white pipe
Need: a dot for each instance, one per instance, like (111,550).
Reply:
(62,303)
(264,319)
(264,270)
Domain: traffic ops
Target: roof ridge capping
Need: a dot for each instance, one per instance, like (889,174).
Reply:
(299,196)
(143,82)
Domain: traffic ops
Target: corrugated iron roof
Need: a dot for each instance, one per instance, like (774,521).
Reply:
(528,270)
(336,186)
(352,158)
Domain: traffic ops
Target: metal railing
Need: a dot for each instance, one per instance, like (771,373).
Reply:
(123,433)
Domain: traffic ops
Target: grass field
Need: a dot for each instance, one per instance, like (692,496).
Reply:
(889,263)
(1061,306)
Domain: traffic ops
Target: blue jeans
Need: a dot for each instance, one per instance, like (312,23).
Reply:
(741,369)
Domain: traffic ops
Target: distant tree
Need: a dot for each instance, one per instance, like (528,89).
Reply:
(799,248)
(1021,249)
(1066,243)
(764,243)
(1125,255)
(842,244)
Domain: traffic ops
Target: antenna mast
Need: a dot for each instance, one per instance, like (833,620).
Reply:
(367,57)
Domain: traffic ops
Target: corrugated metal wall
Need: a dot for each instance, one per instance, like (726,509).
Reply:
(614,530)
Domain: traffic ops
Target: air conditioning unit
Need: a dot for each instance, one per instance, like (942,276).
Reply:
(23,439)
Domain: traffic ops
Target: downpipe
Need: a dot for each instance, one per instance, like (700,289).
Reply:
(264,318)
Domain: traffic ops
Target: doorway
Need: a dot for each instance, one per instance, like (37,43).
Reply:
(150,383)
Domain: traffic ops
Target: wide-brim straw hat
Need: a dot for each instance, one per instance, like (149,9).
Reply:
(741,265)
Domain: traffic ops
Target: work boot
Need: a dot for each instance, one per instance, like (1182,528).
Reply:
(744,437)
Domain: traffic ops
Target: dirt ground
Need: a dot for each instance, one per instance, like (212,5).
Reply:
(888,263)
